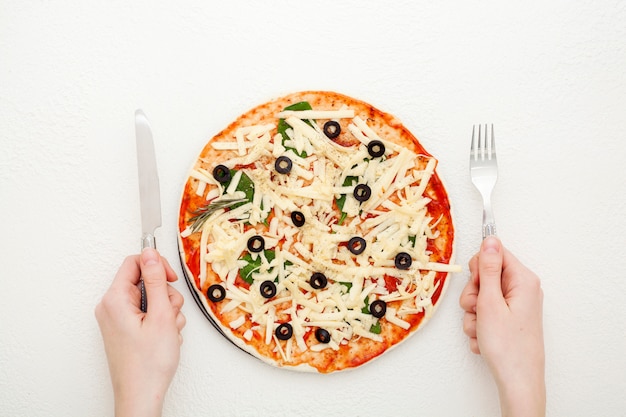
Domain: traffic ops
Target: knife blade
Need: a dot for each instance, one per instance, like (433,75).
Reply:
(149,192)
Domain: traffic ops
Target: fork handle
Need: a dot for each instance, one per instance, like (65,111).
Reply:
(489,224)
(489,229)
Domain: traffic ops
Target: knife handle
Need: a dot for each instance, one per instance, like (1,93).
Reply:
(147,241)
(144,300)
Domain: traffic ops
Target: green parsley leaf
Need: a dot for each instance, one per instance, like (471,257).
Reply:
(283,126)
(376,328)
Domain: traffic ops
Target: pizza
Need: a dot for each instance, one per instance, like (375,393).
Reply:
(315,233)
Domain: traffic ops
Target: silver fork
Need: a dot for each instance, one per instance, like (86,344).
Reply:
(484,173)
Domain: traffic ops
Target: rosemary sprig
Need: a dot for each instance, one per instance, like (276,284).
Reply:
(203,213)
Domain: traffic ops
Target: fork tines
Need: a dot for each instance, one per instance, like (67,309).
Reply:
(488,149)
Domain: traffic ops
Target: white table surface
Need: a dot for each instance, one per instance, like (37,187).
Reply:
(550,75)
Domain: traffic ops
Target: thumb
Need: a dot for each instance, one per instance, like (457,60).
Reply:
(490,268)
(154,278)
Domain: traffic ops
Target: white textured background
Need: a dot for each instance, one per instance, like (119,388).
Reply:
(550,75)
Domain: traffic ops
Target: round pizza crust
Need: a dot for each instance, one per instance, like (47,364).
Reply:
(250,335)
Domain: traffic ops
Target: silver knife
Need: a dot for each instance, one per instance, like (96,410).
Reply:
(149,193)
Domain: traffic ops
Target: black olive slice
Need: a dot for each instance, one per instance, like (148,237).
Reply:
(268,289)
(378,308)
(376,148)
(283,165)
(221,174)
(297,218)
(332,129)
(256,244)
(356,245)
(318,280)
(216,293)
(322,335)
(362,192)
(403,260)
(284,331)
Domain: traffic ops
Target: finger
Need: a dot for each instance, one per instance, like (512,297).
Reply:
(128,274)
(154,277)
(469,296)
(123,293)
(490,269)
(176,298)
(181,320)
(474,346)
(469,325)
(473,267)
(171,275)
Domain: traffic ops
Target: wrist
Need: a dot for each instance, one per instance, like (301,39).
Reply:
(138,404)
(525,398)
